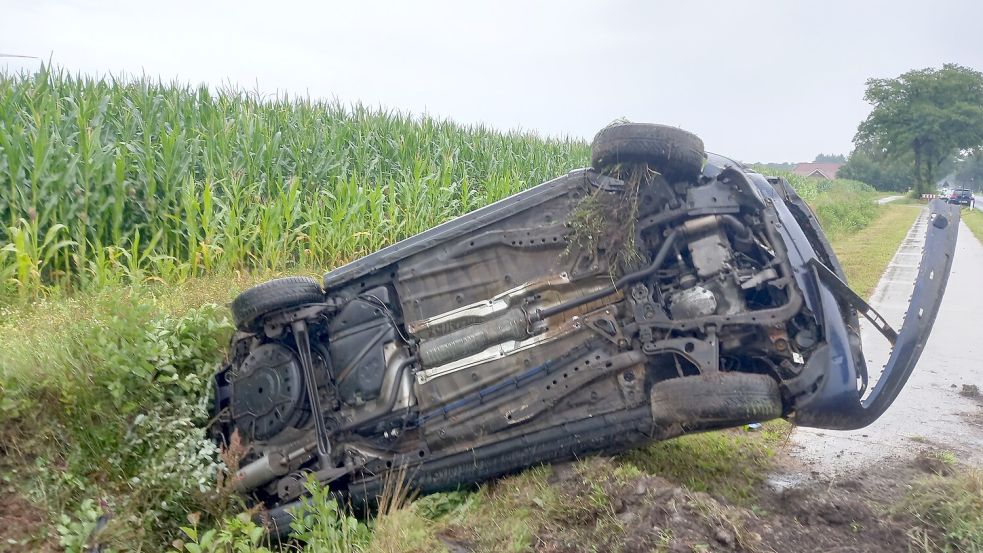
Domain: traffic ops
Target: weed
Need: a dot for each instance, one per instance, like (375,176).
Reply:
(608,219)
(80,533)
(504,515)
(236,534)
(325,526)
(950,508)
(404,531)
(439,505)
(946,457)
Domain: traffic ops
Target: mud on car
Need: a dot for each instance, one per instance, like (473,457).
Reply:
(659,292)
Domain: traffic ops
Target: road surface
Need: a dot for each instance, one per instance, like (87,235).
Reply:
(930,411)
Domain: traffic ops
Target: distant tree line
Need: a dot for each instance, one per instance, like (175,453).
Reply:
(788,166)
(880,171)
(830,158)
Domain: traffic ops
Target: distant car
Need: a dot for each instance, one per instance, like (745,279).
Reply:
(661,291)
(961,196)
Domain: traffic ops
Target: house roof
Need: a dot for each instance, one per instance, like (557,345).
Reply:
(824,170)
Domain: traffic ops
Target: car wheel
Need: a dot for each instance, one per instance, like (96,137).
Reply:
(712,400)
(270,296)
(677,154)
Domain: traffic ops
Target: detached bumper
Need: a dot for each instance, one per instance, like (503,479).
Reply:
(831,374)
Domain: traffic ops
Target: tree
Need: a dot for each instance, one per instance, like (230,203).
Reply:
(927,113)
(830,158)
(969,171)
(879,171)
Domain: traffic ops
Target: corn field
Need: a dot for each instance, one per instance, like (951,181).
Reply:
(130,180)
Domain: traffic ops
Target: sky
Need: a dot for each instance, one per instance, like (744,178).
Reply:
(767,80)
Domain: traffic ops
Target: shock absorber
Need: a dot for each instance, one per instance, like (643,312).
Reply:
(303,341)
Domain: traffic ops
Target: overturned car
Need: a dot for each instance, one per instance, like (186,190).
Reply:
(662,291)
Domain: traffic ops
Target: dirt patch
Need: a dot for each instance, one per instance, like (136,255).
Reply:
(971,391)
(593,506)
(974,418)
(23,526)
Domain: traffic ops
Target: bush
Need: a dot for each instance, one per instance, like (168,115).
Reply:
(843,206)
(112,407)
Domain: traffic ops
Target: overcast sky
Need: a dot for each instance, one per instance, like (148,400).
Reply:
(773,80)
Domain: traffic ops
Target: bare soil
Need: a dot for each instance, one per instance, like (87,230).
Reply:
(23,526)
(650,513)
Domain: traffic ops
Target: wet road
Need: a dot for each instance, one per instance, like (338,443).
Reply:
(930,409)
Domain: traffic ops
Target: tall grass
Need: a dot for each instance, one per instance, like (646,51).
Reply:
(108,179)
(843,206)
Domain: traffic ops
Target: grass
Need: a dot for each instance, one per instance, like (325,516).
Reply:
(504,515)
(950,510)
(730,464)
(974,220)
(865,254)
(843,206)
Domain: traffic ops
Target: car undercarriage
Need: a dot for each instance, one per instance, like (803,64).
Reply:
(660,292)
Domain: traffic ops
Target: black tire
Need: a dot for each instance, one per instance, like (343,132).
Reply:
(675,153)
(272,296)
(716,400)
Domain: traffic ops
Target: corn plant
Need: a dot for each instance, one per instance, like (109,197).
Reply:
(135,180)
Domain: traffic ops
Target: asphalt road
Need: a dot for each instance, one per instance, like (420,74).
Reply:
(930,411)
(888,199)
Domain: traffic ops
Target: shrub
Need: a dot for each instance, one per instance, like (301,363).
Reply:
(125,400)
(326,527)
